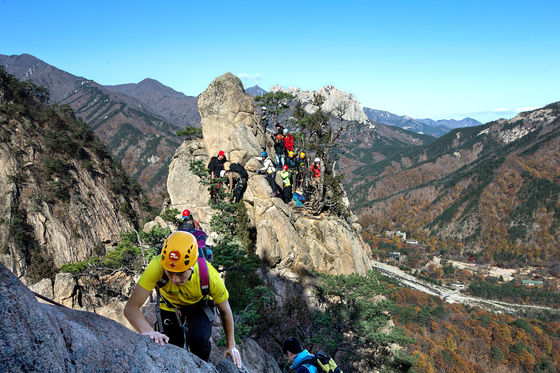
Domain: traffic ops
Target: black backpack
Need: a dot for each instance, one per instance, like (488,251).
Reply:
(236,167)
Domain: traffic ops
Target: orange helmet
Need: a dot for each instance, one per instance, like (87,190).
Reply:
(179,252)
(279,136)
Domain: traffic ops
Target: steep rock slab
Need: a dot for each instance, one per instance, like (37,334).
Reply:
(67,231)
(289,237)
(230,120)
(44,338)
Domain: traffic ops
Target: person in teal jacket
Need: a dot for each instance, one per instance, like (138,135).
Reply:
(297,356)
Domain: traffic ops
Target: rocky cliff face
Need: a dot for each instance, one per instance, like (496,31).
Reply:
(333,96)
(288,239)
(63,199)
(46,338)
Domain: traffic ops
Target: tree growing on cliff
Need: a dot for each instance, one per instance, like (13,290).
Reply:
(320,134)
(230,253)
(275,102)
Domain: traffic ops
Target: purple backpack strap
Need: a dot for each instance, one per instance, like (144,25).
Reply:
(204,276)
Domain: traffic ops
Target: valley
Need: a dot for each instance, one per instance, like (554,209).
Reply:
(450,295)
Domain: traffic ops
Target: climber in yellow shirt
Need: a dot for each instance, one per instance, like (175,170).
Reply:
(177,274)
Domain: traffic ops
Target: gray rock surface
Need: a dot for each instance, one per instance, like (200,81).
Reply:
(45,338)
(66,231)
(230,120)
(36,337)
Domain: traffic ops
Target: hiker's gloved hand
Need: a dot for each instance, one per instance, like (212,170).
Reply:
(157,337)
(235,356)
(258,172)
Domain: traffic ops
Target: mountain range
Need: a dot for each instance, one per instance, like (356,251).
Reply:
(491,190)
(139,121)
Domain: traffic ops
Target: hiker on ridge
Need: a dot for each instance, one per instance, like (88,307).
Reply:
(279,148)
(269,170)
(237,175)
(287,187)
(288,140)
(188,222)
(304,174)
(279,130)
(216,164)
(264,118)
(179,275)
(316,171)
(291,161)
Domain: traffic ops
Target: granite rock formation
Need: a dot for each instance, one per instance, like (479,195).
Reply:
(67,229)
(230,120)
(333,97)
(288,238)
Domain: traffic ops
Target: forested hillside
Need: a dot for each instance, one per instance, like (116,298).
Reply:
(64,196)
(137,134)
(457,338)
(494,189)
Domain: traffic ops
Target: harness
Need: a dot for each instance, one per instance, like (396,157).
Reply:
(204,288)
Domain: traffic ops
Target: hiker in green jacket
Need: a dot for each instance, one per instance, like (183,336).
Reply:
(287,191)
(177,274)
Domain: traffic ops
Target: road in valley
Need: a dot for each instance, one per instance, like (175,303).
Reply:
(450,295)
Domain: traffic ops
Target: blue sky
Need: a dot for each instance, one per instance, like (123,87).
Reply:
(437,59)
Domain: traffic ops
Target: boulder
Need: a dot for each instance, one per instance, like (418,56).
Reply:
(230,120)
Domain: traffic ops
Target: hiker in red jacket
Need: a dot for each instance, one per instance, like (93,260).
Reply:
(316,172)
(288,140)
(316,168)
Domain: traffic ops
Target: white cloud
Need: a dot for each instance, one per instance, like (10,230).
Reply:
(257,77)
(526,109)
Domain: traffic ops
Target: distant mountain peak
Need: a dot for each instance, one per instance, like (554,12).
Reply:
(255,91)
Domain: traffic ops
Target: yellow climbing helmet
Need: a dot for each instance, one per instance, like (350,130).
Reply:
(179,252)
(290,153)
(302,155)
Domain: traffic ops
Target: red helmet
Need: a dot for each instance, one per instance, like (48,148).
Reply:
(186,213)
(285,167)
(279,136)
(221,153)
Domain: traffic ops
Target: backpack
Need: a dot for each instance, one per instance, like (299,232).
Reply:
(236,167)
(323,363)
(204,250)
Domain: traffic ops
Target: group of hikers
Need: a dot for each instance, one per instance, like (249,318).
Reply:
(300,177)
(189,288)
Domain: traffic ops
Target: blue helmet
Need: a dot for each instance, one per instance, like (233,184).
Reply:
(264,154)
